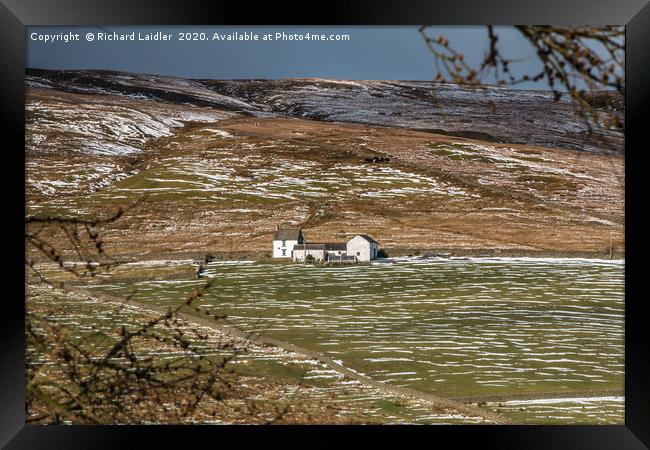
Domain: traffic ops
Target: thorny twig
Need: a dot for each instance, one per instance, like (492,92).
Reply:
(121,382)
(570,66)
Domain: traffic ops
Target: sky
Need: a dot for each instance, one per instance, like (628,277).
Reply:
(372,52)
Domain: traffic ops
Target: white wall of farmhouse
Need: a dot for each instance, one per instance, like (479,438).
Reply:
(361,248)
(283,249)
(301,254)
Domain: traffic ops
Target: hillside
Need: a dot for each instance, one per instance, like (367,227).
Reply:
(223,162)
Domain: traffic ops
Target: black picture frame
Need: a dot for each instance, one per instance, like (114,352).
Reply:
(15,15)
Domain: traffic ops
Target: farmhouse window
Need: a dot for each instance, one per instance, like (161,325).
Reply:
(284,252)
(284,243)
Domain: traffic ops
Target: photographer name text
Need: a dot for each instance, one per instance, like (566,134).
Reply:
(159,36)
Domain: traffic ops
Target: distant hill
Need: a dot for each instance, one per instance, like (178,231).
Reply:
(223,162)
(495,114)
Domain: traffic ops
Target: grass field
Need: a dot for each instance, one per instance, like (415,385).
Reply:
(267,375)
(508,329)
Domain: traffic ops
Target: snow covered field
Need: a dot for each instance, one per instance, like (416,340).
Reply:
(452,327)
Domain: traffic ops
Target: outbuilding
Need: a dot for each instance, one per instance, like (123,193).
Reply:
(363,247)
(302,251)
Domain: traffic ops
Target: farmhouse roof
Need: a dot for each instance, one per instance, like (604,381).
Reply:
(336,246)
(367,238)
(309,246)
(322,246)
(287,234)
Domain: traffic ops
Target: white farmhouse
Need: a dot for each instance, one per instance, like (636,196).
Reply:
(290,243)
(284,241)
(362,247)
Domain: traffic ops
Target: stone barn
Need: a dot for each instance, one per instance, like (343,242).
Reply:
(363,247)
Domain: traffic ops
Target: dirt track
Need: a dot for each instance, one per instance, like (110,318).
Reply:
(469,410)
(463,405)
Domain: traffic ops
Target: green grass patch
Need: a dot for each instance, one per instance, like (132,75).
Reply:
(269,370)
(390,406)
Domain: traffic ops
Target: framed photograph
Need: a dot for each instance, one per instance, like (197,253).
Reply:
(378,217)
